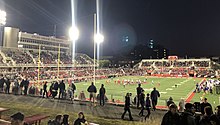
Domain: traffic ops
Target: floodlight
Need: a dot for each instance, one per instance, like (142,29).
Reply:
(99,38)
(73,33)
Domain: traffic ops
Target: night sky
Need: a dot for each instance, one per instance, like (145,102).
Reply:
(185,27)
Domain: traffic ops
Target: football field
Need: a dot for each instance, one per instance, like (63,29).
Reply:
(176,88)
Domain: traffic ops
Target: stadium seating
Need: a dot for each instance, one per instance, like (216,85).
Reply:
(19,56)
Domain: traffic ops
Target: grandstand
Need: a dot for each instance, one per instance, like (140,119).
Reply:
(179,67)
(13,57)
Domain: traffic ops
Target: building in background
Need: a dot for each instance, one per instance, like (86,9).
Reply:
(17,39)
(160,52)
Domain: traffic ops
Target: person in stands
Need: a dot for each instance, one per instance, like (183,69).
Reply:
(170,101)
(65,120)
(206,117)
(204,104)
(73,88)
(102,95)
(92,92)
(70,92)
(214,120)
(2,81)
(148,106)
(26,84)
(218,112)
(187,117)
(171,117)
(138,89)
(127,106)
(142,97)
(17,119)
(62,89)
(8,84)
(45,89)
(56,121)
(80,120)
(154,97)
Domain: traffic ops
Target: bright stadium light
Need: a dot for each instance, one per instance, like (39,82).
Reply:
(99,38)
(2,17)
(73,33)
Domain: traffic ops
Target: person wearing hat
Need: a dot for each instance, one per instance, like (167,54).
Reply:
(17,119)
(187,117)
(80,120)
(171,117)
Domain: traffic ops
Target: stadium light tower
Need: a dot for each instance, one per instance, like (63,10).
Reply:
(73,31)
(98,37)
(2,23)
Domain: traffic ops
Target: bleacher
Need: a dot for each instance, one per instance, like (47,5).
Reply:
(19,57)
(178,67)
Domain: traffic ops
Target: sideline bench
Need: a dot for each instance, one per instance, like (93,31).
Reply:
(4,122)
(2,110)
(34,119)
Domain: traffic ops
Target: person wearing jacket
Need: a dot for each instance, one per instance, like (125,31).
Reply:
(142,97)
(206,117)
(62,89)
(80,120)
(92,92)
(171,117)
(127,107)
(45,89)
(148,106)
(139,90)
(187,117)
(154,97)
(102,95)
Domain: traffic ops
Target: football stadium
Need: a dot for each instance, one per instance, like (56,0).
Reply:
(45,80)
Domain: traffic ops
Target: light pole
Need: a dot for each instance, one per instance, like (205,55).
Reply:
(73,31)
(94,48)
(2,23)
(98,38)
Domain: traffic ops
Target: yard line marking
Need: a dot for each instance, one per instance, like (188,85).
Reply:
(169,89)
(163,92)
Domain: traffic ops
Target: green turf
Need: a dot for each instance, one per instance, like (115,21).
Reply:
(166,86)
